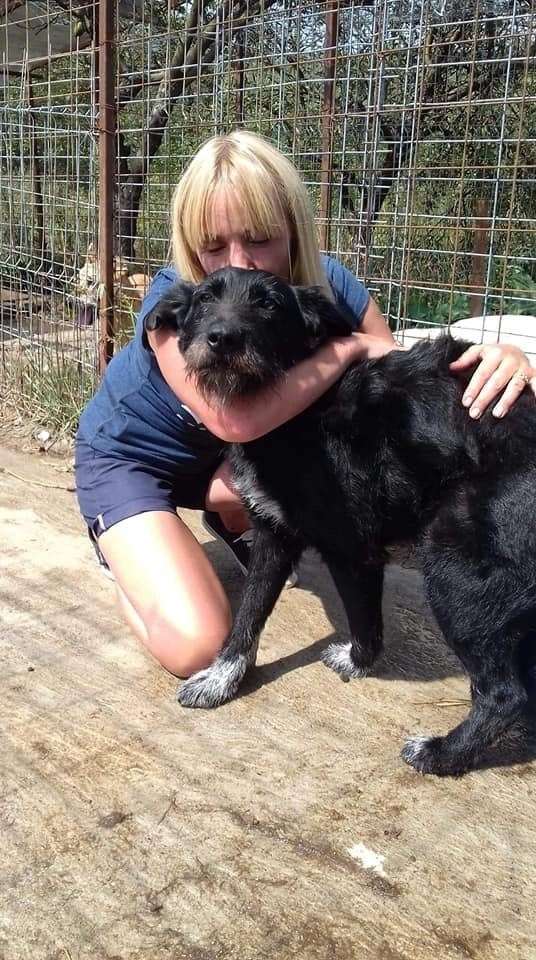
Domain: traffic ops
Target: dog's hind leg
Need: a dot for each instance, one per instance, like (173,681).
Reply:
(472,600)
(527,660)
(360,588)
(272,556)
(498,698)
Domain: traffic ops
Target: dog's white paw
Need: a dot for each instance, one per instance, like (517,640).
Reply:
(213,686)
(338,657)
(436,755)
(415,751)
(425,754)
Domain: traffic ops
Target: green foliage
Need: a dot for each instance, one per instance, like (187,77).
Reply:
(428,308)
(520,291)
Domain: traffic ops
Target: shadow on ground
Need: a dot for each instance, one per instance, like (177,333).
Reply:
(413,646)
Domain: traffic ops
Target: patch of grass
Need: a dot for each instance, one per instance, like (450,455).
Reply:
(125,323)
(47,388)
(49,384)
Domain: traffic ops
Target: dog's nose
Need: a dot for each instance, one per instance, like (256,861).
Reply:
(223,339)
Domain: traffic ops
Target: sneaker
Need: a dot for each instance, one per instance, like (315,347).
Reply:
(239,546)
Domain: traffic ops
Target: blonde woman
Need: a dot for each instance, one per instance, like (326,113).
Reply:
(148,442)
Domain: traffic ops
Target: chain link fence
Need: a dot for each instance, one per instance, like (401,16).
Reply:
(411,121)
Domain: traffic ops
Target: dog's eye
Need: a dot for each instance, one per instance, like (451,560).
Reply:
(205,297)
(262,299)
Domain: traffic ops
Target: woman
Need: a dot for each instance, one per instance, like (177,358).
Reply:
(148,442)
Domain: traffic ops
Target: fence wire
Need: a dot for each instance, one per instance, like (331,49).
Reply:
(411,121)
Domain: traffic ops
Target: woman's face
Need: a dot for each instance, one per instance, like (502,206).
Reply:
(233,246)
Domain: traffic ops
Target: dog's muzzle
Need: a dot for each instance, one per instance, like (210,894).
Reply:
(223,340)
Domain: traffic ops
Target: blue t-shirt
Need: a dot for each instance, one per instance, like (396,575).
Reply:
(135,415)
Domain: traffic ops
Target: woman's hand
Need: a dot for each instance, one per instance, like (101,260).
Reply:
(367,346)
(502,367)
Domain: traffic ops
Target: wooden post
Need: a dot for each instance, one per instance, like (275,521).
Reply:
(477,285)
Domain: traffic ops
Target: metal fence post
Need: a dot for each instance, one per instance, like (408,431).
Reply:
(326,170)
(107,148)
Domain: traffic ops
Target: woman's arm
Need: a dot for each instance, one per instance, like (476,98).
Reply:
(243,420)
(373,322)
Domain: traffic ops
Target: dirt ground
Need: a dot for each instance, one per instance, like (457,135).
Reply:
(283,825)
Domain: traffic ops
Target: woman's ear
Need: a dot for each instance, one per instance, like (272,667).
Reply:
(322,317)
(172,309)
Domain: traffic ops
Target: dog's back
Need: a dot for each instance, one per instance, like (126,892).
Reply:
(375,456)
(412,400)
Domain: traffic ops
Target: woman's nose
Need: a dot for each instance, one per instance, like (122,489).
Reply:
(239,256)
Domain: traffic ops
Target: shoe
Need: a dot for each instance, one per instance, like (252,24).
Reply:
(239,546)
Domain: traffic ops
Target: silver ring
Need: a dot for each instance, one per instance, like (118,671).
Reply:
(522,377)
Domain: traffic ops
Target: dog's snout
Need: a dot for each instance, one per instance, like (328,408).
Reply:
(224,338)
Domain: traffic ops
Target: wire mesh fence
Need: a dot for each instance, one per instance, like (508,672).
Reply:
(411,121)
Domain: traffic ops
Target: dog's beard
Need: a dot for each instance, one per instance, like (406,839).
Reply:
(234,375)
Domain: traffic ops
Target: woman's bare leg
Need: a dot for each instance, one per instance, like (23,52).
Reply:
(172,596)
(223,498)
(133,619)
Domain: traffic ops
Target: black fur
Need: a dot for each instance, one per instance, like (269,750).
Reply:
(387,454)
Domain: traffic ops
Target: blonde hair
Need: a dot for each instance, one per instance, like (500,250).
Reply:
(268,191)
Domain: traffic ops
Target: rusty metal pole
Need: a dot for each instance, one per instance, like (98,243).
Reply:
(240,77)
(326,169)
(39,238)
(107,148)
(477,283)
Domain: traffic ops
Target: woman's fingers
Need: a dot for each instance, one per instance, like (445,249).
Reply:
(503,369)
(468,358)
(521,379)
(488,380)
(368,346)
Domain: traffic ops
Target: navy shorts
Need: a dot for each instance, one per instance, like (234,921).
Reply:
(110,489)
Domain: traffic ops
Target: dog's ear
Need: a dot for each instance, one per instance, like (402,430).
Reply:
(323,318)
(172,309)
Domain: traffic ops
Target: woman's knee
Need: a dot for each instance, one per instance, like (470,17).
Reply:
(185,649)
(173,599)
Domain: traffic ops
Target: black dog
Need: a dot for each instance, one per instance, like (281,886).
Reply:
(387,454)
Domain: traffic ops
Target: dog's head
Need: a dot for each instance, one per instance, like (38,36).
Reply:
(241,329)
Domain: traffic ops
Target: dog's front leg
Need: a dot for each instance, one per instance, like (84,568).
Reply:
(271,559)
(360,588)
